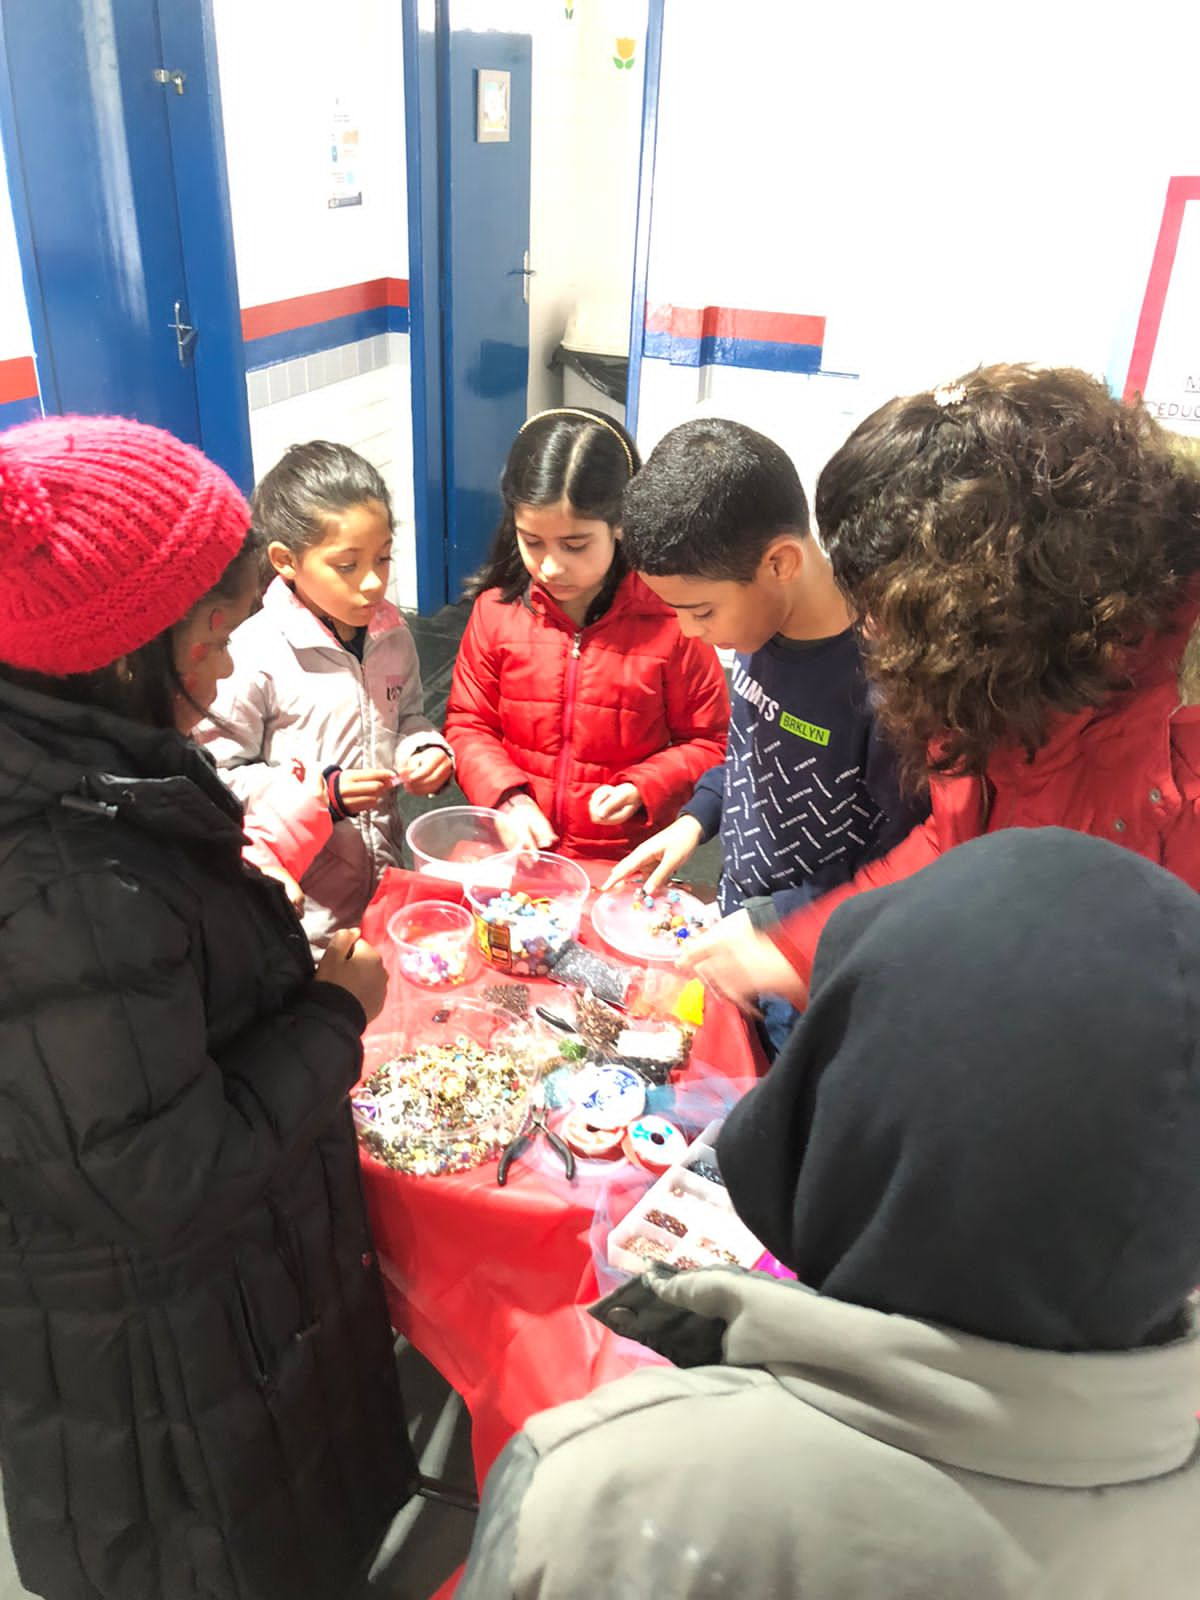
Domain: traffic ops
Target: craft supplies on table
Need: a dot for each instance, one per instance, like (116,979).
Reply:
(434,943)
(448,1095)
(526,910)
(649,927)
(686,1218)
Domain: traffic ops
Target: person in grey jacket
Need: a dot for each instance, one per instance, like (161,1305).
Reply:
(979,1154)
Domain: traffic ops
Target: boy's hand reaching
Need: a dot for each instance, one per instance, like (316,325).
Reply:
(526,827)
(427,771)
(665,852)
(736,961)
(614,802)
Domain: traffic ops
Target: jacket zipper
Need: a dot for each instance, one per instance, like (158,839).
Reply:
(568,728)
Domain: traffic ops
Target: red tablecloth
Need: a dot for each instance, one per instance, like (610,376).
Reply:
(492,1284)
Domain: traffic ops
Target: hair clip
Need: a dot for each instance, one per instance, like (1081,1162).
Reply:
(949,394)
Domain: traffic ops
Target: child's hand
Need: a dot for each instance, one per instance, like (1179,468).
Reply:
(525,826)
(272,869)
(736,961)
(614,802)
(666,851)
(427,771)
(361,789)
(354,965)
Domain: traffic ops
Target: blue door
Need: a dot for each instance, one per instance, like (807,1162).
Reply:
(485,329)
(115,156)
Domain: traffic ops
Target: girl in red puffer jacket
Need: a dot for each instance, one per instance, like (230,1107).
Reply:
(577,705)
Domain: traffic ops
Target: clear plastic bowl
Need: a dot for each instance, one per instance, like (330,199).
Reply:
(433,943)
(450,843)
(432,1131)
(526,908)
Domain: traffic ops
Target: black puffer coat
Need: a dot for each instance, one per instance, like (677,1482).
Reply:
(197,1390)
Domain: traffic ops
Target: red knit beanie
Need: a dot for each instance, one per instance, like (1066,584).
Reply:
(110,531)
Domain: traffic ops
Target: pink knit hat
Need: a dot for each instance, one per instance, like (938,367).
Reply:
(110,531)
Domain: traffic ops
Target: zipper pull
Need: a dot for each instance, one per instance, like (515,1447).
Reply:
(577,647)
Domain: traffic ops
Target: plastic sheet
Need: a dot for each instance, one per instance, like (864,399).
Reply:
(491,1284)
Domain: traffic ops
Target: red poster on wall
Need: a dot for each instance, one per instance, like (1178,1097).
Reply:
(1164,368)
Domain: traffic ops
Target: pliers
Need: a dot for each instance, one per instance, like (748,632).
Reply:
(535,1123)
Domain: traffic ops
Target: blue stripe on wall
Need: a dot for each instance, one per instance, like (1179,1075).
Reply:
(318,336)
(713,351)
(14,411)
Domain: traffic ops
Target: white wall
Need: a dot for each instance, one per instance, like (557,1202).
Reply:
(945,185)
(15,337)
(283,65)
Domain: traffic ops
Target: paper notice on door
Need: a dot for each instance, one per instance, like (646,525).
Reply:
(345,180)
(1165,367)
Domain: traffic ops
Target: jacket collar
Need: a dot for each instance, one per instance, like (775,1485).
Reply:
(304,630)
(53,752)
(631,598)
(1032,1416)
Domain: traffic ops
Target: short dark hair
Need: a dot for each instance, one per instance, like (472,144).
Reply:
(145,684)
(569,453)
(307,487)
(709,501)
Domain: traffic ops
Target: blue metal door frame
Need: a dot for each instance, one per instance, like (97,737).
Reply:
(196,154)
(425,32)
(645,208)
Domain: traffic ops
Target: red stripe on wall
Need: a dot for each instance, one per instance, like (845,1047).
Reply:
(18,379)
(1179,192)
(725,322)
(280,316)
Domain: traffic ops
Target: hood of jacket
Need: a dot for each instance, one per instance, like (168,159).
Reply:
(54,752)
(988,1117)
(1029,1416)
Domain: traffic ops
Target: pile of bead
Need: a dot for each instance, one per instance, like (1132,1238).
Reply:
(665,915)
(440,1107)
(435,960)
(533,931)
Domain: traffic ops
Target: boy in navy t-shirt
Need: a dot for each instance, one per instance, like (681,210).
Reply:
(717,525)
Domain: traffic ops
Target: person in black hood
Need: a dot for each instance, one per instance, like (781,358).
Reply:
(198,1396)
(979,1152)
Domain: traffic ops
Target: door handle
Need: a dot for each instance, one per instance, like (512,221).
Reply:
(185,335)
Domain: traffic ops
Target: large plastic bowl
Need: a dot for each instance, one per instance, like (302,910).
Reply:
(526,908)
(452,842)
(434,943)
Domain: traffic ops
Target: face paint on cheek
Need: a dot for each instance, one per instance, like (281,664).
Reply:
(198,653)
(190,682)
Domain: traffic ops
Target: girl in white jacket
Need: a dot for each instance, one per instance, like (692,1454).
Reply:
(322,719)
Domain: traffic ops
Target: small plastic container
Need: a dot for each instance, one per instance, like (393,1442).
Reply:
(649,928)
(526,908)
(451,843)
(434,943)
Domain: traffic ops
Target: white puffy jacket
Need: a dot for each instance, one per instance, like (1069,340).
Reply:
(298,702)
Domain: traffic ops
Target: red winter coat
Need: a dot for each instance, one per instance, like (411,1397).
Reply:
(1128,770)
(541,704)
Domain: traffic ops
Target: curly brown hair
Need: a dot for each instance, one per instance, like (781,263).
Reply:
(1007,540)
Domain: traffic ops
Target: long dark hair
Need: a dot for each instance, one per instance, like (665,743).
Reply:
(570,454)
(144,685)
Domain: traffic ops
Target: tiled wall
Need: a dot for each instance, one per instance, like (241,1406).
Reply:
(360,395)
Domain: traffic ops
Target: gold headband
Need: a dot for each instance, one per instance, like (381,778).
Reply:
(572,411)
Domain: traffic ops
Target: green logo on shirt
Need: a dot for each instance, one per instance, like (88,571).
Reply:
(804,730)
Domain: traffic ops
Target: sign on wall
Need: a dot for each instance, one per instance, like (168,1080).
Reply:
(345,185)
(1165,365)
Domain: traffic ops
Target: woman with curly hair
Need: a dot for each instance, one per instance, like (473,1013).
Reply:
(1021,550)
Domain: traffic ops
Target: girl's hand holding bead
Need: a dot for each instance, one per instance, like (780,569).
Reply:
(736,961)
(360,789)
(614,802)
(353,964)
(427,771)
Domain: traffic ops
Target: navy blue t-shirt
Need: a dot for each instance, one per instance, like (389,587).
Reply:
(808,791)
